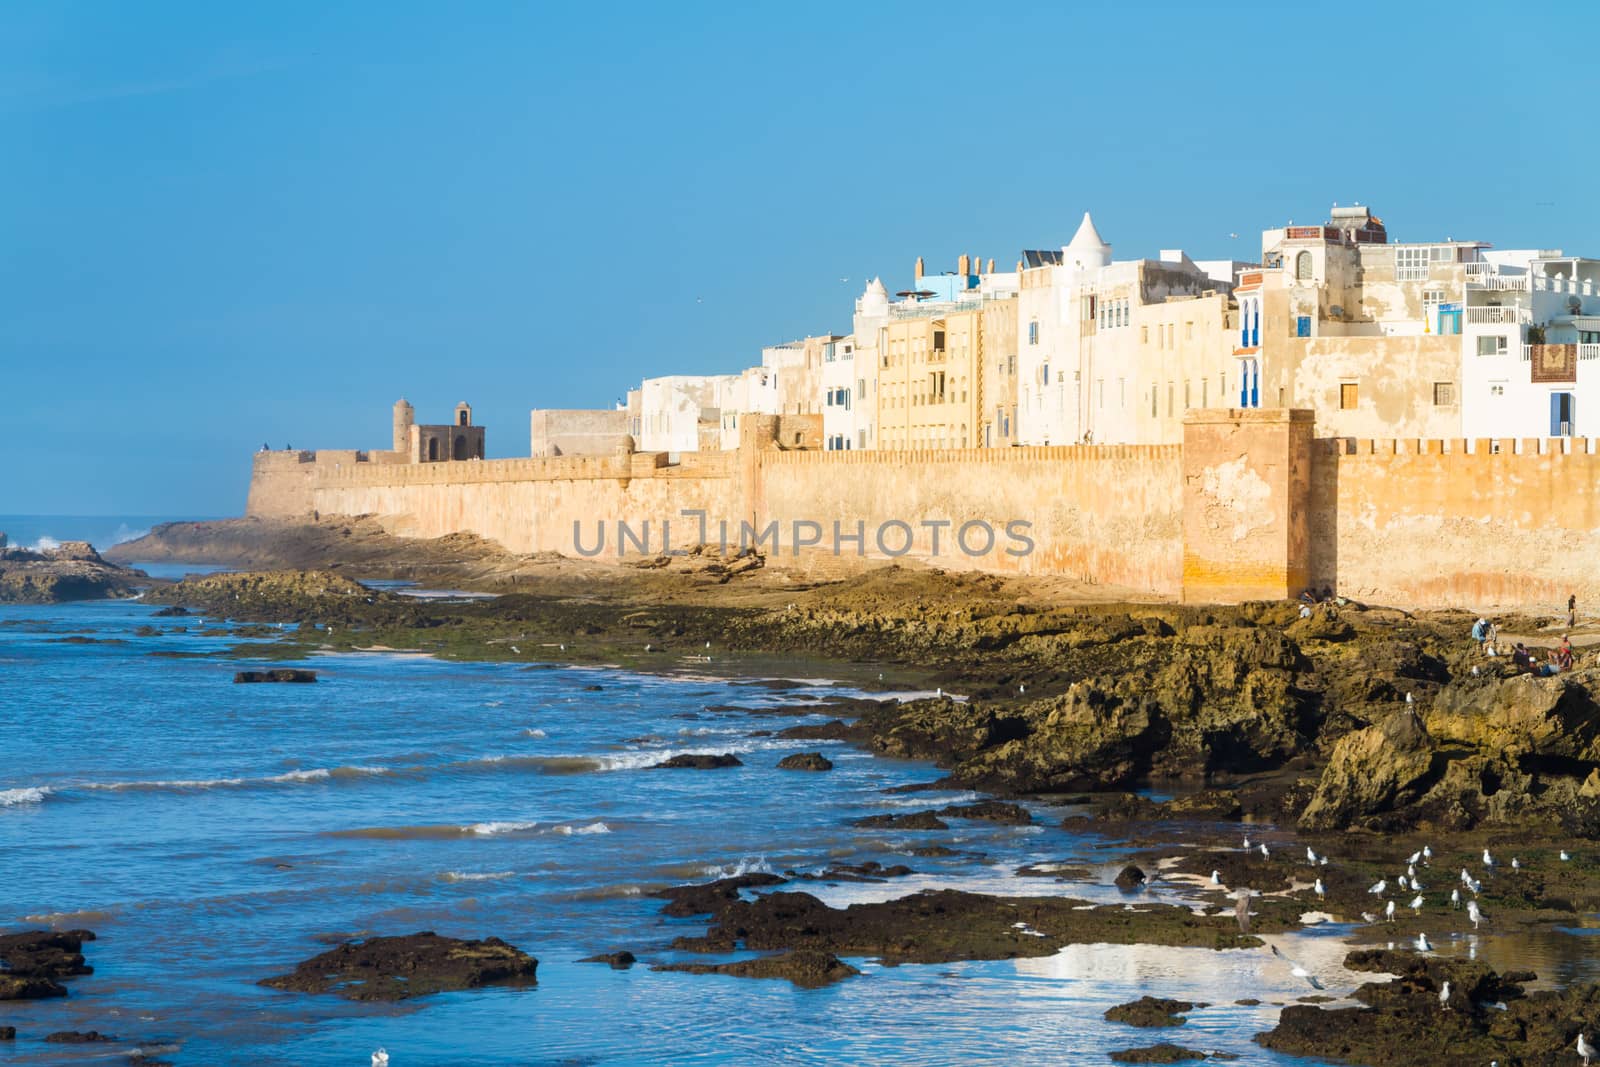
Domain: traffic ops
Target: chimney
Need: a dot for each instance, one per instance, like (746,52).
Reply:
(991,264)
(964,265)
(919,268)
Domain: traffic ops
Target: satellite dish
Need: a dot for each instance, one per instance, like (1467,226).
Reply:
(1574,305)
(1336,311)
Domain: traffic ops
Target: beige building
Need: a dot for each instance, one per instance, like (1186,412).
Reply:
(997,373)
(1364,332)
(927,378)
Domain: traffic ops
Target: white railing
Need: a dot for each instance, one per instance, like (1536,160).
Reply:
(1572,286)
(1482,316)
(1589,351)
(1500,282)
(1527,353)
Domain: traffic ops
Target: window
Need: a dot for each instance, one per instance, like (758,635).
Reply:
(1411,264)
(1100,389)
(1188,331)
(1153,392)
(1144,335)
(1431,298)
(1492,345)
(1033,333)
(1044,374)
(938,340)
(1302,267)
(1302,326)
(1444,394)
(1497,389)
(1347,396)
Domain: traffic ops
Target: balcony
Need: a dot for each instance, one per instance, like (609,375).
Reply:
(1588,351)
(1497,316)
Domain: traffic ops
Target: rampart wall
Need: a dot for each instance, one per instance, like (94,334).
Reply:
(1250,506)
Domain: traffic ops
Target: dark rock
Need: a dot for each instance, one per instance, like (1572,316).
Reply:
(397,968)
(806,968)
(171,611)
(8,1033)
(1166,1052)
(916,820)
(870,871)
(833,730)
(35,961)
(700,761)
(933,850)
(277,674)
(805,761)
(709,897)
(619,961)
(1129,878)
(989,811)
(77,1037)
(946,925)
(1152,1012)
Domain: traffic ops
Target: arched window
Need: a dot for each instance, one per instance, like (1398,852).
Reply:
(463,419)
(433,449)
(1302,267)
(460,451)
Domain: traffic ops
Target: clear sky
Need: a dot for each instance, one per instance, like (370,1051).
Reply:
(229,223)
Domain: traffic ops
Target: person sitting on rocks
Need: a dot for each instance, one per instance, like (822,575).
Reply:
(1521,658)
(1307,597)
(1562,657)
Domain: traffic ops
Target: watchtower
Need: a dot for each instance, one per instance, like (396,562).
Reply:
(463,414)
(404,418)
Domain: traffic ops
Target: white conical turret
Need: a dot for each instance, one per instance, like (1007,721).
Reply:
(874,302)
(1087,251)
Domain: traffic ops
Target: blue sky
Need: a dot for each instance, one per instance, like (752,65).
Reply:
(224,224)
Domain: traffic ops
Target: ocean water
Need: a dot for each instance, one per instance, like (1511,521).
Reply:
(102,531)
(212,834)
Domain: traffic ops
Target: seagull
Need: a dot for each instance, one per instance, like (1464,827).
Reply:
(1377,890)
(1444,997)
(1488,860)
(563,648)
(939,692)
(1022,687)
(1247,842)
(1416,902)
(1466,879)
(1321,893)
(1585,1049)
(1408,698)
(1427,852)
(1216,877)
(1415,857)
(647,647)
(1455,898)
(708,644)
(517,650)
(380,1058)
(1368,917)
(1516,864)
(1564,856)
(1422,943)
(1322,861)
(1311,855)
(1475,913)
(1388,912)
(1297,970)
(1264,853)
(1402,882)
(1411,870)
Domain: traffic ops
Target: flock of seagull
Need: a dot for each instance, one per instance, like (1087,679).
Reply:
(1411,882)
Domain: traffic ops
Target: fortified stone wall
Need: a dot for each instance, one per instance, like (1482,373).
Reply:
(1249,507)
(1465,523)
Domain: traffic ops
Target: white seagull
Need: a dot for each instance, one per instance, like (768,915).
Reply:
(1411,870)
(1247,842)
(1516,864)
(1388,912)
(1368,917)
(1564,856)
(1585,1049)
(1264,853)
(1320,891)
(380,1058)
(1216,877)
(1416,902)
(1427,852)
(1466,879)
(1403,882)
(1475,913)
(1415,857)
(1444,997)
(1455,898)
(1488,860)
(1311,855)
(1378,889)
(1297,970)
(1422,943)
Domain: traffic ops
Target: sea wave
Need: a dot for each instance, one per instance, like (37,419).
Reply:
(33,794)
(476,876)
(492,829)
(310,774)
(747,865)
(582,828)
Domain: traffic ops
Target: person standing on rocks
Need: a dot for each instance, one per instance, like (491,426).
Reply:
(1572,610)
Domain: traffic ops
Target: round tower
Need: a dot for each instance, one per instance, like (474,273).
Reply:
(404,416)
(1088,250)
(463,414)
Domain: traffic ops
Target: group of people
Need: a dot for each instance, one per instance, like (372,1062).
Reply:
(1557,662)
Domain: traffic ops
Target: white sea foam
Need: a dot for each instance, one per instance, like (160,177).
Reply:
(477,876)
(126,533)
(310,774)
(490,829)
(45,544)
(584,828)
(533,731)
(747,865)
(33,794)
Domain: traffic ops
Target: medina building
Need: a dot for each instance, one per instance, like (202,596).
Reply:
(1114,352)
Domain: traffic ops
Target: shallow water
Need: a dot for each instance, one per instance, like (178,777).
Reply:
(211,833)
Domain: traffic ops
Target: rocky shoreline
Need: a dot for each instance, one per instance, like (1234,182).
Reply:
(1359,745)
(72,570)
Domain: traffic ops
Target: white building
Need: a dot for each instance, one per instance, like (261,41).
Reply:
(674,409)
(868,341)
(841,422)
(1531,346)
